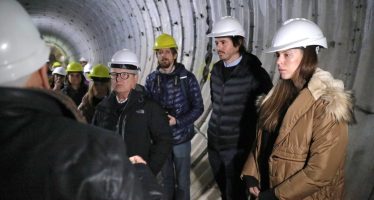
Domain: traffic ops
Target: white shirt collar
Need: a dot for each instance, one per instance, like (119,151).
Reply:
(233,63)
(121,101)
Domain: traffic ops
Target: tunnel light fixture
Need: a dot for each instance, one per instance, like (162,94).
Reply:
(4,46)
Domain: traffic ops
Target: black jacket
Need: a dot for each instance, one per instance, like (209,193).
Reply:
(75,95)
(141,122)
(234,116)
(46,153)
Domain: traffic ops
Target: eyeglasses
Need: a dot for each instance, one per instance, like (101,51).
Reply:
(123,75)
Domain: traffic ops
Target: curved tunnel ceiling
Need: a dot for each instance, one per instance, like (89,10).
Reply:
(96,29)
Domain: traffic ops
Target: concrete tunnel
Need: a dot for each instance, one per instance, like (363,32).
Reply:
(96,29)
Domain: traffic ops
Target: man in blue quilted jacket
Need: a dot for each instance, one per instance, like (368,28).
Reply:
(178,92)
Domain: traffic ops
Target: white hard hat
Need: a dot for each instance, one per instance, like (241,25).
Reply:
(87,68)
(83,59)
(125,59)
(59,70)
(227,26)
(22,51)
(297,32)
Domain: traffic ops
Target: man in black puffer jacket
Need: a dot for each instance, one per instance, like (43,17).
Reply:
(236,81)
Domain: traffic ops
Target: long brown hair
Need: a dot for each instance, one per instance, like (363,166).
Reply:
(91,94)
(275,107)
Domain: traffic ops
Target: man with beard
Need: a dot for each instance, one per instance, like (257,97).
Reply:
(236,82)
(178,92)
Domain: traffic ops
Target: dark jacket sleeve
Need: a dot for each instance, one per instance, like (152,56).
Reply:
(148,85)
(262,76)
(196,103)
(265,81)
(161,136)
(152,190)
(104,117)
(98,115)
(129,186)
(95,117)
(99,119)
(101,169)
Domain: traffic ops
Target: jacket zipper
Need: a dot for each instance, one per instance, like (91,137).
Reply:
(122,126)
(220,107)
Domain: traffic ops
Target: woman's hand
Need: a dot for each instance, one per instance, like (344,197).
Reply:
(254,191)
(252,183)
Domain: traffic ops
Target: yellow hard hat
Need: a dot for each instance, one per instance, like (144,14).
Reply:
(74,67)
(99,71)
(164,41)
(56,64)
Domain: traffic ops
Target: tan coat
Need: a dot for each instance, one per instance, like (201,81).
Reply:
(307,161)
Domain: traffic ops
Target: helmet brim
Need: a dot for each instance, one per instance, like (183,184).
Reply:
(26,66)
(300,43)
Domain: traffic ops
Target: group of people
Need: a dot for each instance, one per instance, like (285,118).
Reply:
(283,142)
(86,85)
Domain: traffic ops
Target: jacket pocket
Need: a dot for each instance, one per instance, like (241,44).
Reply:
(184,135)
(284,164)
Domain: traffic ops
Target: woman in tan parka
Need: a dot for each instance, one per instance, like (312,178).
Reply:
(303,123)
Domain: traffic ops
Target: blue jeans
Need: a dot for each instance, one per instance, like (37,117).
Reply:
(177,170)
(227,166)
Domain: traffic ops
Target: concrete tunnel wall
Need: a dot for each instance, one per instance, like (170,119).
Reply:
(96,29)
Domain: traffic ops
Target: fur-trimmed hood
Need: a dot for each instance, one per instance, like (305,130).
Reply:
(340,102)
(323,86)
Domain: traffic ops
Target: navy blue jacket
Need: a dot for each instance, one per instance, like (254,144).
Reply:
(234,116)
(179,94)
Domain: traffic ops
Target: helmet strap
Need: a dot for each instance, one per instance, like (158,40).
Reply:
(317,50)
